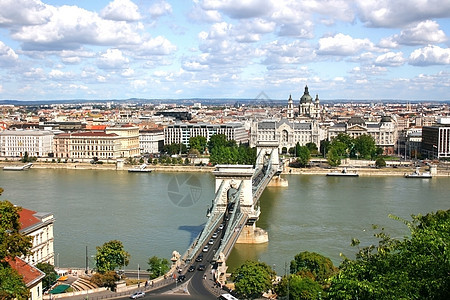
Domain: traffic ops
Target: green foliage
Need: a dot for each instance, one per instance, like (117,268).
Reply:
(415,267)
(324,147)
(50,274)
(380,162)
(11,283)
(175,148)
(299,287)
(12,244)
(365,146)
(319,266)
(157,266)
(303,156)
(111,256)
(333,157)
(252,279)
(312,147)
(107,279)
(227,152)
(198,143)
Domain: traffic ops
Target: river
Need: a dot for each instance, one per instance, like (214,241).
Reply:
(154,214)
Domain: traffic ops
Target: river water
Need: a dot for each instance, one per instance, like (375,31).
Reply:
(154,214)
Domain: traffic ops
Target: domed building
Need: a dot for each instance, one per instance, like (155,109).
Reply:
(309,108)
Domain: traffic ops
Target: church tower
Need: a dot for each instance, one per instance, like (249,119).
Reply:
(290,108)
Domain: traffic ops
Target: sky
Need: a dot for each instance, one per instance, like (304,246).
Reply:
(180,49)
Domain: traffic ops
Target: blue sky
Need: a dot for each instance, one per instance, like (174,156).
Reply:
(120,49)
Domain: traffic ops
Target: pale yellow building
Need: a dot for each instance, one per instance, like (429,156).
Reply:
(129,139)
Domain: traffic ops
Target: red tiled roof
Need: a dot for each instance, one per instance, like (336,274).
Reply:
(27,219)
(94,133)
(29,273)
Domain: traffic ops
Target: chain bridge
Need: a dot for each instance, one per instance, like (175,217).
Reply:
(235,208)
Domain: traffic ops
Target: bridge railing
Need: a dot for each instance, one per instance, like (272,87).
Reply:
(213,222)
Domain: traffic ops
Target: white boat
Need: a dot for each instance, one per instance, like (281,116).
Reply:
(343,173)
(417,174)
(141,168)
(18,168)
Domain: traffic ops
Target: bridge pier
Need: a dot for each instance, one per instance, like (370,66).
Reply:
(251,234)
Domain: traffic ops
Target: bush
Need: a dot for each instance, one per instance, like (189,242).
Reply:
(380,162)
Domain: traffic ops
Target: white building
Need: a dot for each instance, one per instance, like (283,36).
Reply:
(181,133)
(151,140)
(14,143)
(286,133)
(40,227)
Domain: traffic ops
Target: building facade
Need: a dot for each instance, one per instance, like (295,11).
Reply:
(39,226)
(383,132)
(32,277)
(128,138)
(84,146)
(436,140)
(286,133)
(151,140)
(14,143)
(181,133)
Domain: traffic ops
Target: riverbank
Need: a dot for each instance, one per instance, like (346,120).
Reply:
(362,171)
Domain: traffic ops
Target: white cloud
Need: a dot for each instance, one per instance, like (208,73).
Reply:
(430,55)
(390,59)
(58,75)
(112,59)
(7,56)
(423,33)
(160,9)
(156,46)
(239,9)
(342,45)
(23,12)
(121,10)
(71,27)
(388,13)
(127,72)
(139,83)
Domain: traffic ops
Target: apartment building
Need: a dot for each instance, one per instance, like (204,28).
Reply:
(84,146)
(40,227)
(181,133)
(151,140)
(436,140)
(14,143)
(128,138)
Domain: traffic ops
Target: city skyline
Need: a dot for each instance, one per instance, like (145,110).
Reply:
(121,49)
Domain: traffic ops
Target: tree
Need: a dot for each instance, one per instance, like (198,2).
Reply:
(25,157)
(303,156)
(299,287)
(216,141)
(312,147)
(333,157)
(198,143)
(107,279)
(319,266)
(50,274)
(380,162)
(365,146)
(252,279)
(12,244)
(157,266)
(415,267)
(324,147)
(111,256)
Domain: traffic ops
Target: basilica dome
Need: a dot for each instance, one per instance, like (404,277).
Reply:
(306,98)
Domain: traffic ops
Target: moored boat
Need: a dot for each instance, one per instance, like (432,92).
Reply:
(142,168)
(17,168)
(418,174)
(343,173)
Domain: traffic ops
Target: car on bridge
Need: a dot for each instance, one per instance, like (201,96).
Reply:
(206,248)
(211,242)
(137,295)
(215,235)
(221,226)
(201,267)
(191,268)
(199,257)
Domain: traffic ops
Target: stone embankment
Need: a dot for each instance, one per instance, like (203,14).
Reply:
(362,171)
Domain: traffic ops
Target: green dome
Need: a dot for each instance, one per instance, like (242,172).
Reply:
(306,98)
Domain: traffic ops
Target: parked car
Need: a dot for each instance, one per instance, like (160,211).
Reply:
(191,268)
(221,226)
(214,235)
(181,278)
(137,295)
